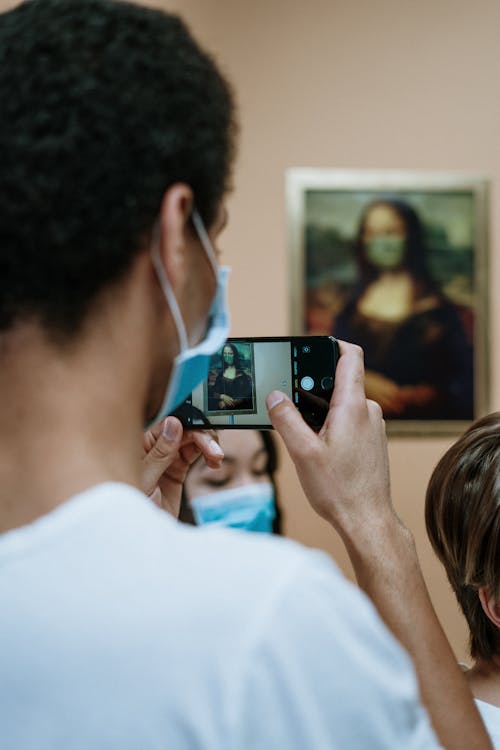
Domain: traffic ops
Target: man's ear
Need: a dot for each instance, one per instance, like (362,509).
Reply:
(173,234)
(491,607)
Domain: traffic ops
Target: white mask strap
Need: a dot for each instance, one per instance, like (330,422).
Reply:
(167,289)
(205,239)
(169,294)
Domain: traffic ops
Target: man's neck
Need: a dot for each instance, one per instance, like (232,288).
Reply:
(69,420)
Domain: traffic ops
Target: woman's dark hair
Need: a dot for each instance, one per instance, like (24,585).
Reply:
(269,443)
(236,356)
(104,105)
(272,465)
(415,251)
(462,515)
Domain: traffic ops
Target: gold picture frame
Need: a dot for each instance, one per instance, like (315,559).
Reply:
(422,321)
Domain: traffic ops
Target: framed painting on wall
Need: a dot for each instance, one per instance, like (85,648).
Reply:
(397,262)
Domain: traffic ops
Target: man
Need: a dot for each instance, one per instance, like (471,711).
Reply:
(118,627)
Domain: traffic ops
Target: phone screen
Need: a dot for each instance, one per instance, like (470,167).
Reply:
(245,370)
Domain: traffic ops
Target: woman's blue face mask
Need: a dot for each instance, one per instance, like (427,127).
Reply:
(250,507)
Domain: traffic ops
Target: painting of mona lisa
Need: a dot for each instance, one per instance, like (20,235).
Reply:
(396,262)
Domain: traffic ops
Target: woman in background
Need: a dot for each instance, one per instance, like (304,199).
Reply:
(242,492)
(417,356)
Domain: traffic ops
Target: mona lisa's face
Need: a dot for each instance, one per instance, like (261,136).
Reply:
(384,238)
(228,355)
(383,220)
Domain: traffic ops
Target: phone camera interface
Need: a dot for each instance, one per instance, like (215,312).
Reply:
(314,368)
(307,383)
(244,371)
(327,383)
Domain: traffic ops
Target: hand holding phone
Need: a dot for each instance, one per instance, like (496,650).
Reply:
(344,471)
(245,370)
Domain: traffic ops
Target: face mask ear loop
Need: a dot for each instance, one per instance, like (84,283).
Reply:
(167,289)
(204,239)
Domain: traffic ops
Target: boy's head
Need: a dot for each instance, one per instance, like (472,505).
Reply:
(104,106)
(462,513)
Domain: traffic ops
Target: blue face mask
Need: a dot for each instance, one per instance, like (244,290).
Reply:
(386,251)
(251,507)
(190,367)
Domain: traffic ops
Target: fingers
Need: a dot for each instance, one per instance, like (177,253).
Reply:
(163,451)
(206,444)
(349,376)
(287,421)
(349,392)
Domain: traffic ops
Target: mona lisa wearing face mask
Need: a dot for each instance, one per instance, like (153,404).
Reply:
(418,353)
(232,388)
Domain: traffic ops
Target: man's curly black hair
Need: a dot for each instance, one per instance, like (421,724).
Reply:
(103,105)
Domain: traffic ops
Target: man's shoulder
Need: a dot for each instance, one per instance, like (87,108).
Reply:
(111,538)
(132,540)
(119,522)
(250,570)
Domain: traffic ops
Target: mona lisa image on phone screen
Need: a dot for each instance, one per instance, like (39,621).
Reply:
(245,370)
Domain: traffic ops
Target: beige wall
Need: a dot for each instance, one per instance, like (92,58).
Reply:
(361,84)
(350,83)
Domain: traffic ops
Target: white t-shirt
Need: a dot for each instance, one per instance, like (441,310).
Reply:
(491,718)
(121,629)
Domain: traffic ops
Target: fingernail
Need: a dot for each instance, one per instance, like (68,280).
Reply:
(169,429)
(274,398)
(215,448)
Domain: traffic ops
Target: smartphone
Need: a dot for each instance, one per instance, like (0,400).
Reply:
(245,370)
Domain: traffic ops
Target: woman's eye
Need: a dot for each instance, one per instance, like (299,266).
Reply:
(260,472)
(216,482)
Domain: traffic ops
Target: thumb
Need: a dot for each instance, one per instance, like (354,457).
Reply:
(163,452)
(287,421)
